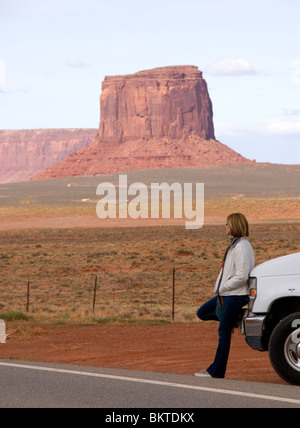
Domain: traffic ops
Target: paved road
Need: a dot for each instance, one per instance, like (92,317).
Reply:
(37,385)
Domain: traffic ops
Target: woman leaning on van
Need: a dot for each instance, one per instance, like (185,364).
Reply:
(231,291)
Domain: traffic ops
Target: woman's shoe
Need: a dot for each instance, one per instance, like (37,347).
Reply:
(203,374)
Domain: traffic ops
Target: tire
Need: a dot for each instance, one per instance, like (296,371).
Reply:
(284,349)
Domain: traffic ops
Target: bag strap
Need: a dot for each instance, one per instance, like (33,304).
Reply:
(232,245)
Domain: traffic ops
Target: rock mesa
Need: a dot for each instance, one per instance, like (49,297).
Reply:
(151,119)
(24,153)
(164,102)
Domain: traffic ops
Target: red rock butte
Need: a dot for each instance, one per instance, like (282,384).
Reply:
(164,102)
(157,118)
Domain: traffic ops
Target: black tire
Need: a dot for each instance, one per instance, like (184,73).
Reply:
(284,349)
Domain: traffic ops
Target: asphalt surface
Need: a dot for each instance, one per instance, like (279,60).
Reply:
(34,385)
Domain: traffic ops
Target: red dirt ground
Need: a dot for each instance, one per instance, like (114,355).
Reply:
(171,348)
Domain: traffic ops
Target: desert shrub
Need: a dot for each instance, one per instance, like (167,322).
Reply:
(14,316)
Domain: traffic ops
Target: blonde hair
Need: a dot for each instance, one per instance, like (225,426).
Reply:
(238,225)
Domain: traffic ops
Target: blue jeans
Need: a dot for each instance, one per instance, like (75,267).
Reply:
(231,311)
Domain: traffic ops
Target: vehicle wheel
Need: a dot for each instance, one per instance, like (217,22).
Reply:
(284,349)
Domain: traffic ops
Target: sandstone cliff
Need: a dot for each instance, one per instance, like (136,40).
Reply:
(24,153)
(151,119)
(164,102)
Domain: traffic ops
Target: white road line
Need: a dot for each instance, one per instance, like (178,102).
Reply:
(154,382)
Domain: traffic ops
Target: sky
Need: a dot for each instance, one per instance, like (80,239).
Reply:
(55,54)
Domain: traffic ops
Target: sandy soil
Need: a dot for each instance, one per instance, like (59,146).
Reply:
(21,222)
(171,348)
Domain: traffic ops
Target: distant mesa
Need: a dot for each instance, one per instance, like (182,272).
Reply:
(23,153)
(159,118)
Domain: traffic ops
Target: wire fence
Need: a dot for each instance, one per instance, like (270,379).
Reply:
(173,295)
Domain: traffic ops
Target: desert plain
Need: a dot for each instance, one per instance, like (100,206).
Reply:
(53,245)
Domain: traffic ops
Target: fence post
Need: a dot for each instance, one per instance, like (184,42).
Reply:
(173,296)
(95,292)
(28,296)
(2,332)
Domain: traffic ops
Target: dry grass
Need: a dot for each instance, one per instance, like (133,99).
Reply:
(134,268)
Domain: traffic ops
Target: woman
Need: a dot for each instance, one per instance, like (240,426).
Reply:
(231,291)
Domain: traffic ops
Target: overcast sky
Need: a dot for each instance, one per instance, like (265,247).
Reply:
(54,56)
